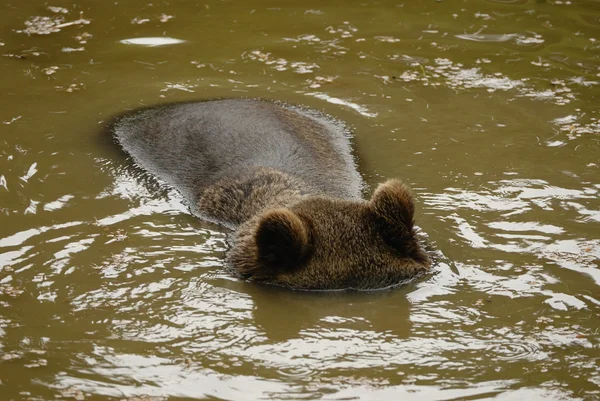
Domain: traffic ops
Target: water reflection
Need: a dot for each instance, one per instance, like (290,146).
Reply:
(162,41)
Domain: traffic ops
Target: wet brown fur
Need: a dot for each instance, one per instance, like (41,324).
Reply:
(324,243)
(285,182)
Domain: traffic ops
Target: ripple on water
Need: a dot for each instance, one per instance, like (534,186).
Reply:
(511,217)
(515,350)
(489,37)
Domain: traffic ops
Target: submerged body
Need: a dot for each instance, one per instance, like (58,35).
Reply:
(284,179)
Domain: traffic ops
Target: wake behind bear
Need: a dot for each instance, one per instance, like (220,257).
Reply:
(284,180)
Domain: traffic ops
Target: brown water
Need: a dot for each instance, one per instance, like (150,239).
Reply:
(109,289)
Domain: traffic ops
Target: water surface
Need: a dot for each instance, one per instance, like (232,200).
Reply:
(109,289)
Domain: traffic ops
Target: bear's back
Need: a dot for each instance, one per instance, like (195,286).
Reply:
(191,145)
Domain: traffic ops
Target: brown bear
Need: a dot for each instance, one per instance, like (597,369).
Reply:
(284,179)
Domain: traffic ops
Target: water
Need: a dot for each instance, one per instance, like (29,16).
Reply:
(109,289)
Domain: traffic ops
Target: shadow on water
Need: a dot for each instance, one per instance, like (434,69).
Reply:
(284,314)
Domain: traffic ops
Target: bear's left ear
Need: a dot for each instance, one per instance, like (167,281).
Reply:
(282,239)
(393,205)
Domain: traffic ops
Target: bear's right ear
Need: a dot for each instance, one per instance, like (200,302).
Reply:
(393,206)
(282,239)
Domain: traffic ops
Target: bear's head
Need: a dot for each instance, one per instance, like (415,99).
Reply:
(323,243)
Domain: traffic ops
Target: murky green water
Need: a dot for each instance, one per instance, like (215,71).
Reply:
(109,289)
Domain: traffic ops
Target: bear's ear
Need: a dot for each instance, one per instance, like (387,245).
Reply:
(282,239)
(394,208)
